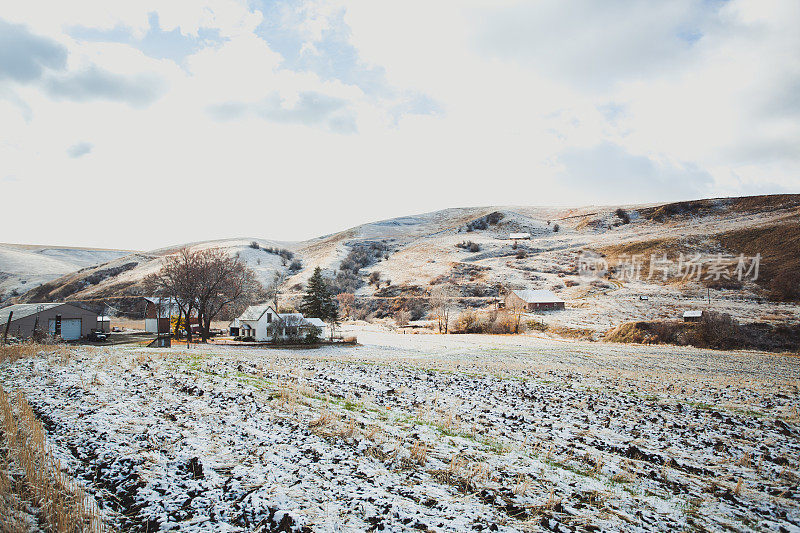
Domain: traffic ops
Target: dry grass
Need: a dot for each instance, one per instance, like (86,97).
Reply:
(419,452)
(523,485)
(572,333)
(62,504)
(13,352)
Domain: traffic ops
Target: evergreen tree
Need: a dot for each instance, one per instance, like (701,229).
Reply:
(317,301)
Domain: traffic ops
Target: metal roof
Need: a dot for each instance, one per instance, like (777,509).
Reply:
(316,322)
(519,236)
(23,310)
(693,314)
(537,296)
(292,319)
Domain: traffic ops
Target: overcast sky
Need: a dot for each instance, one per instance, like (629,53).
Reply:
(141,124)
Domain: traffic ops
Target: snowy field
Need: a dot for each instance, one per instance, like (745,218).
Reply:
(426,433)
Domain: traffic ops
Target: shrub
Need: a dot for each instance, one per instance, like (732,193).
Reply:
(286,255)
(785,287)
(533,325)
(375,278)
(521,254)
(466,322)
(417,310)
(469,246)
(556,227)
(312,336)
(484,222)
(402,317)
(295,265)
(623,215)
(348,277)
(254,245)
(715,330)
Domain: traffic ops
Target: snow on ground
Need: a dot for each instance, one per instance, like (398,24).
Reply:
(426,433)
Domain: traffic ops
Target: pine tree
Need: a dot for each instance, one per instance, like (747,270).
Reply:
(317,301)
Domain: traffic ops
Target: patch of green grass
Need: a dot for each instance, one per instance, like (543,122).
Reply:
(258,383)
(570,468)
(353,406)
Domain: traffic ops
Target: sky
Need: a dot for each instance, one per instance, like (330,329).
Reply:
(142,124)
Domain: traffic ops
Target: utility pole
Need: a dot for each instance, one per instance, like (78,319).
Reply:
(708,289)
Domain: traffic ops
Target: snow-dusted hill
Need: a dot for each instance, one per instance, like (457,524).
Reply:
(23,267)
(470,247)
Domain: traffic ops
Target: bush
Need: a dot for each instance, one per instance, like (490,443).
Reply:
(623,215)
(402,317)
(494,322)
(375,278)
(469,245)
(492,219)
(417,310)
(286,255)
(295,265)
(533,325)
(466,322)
(254,245)
(715,330)
(348,277)
(785,287)
(312,336)
(521,254)
(556,227)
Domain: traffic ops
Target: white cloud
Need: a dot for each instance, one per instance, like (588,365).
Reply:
(458,102)
(79,149)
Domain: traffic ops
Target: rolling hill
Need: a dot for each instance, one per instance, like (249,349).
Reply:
(24,267)
(469,247)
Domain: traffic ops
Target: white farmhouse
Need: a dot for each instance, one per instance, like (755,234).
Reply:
(264,324)
(258,321)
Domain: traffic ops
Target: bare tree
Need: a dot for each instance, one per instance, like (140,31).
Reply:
(203,283)
(442,301)
(275,288)
(402,317)
(178,280)
(517,310)
(223,281)
(347,301)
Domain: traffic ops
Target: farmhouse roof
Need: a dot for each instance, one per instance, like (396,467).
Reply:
(292,319)
(255,312)
(23,310)
(537,296)
(317,322)
(693,313)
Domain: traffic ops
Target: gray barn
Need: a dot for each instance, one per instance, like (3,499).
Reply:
(62,319)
